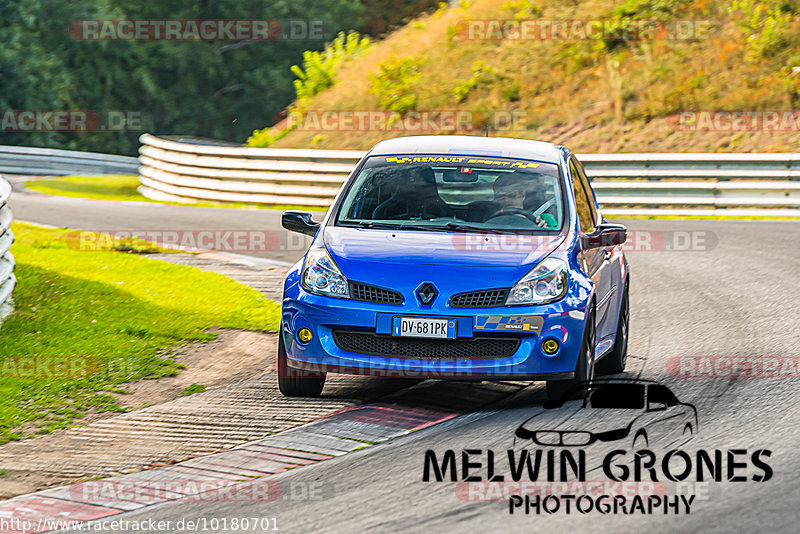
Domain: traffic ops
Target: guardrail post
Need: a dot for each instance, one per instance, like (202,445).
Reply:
(7,279)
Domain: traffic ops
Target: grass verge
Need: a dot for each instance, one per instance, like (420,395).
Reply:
(86,321)
(122,187)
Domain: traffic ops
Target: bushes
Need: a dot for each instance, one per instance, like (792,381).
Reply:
(480,73)
(319,68)
(763,26)
(394,83)
(318,72)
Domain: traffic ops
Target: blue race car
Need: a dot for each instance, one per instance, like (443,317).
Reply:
(457,257)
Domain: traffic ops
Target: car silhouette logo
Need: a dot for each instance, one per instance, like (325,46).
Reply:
(641,412)
(426,293)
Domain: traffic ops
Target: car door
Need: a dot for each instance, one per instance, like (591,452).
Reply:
(594,260)
(610,274)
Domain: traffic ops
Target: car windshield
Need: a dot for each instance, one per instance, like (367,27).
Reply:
(623,396)
(451,192)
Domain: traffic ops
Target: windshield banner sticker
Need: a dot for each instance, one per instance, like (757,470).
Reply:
(463,159)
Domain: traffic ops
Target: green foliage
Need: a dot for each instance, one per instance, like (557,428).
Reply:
(317,73)
(763,24)
(649,9)
(394,83)
(319,68)
(263,138)
(521,9)
(511,92)
(481,73)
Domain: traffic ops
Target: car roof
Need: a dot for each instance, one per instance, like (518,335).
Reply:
(469,145)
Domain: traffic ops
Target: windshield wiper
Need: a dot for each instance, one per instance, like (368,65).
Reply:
(373,224)
(472,228)
(391,226)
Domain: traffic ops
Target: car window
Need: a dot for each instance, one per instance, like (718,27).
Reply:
(659,393)
(432,191)
(588,187)
(624,396)
(585,209)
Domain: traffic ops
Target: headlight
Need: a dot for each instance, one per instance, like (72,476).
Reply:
(545,283)
(322,277)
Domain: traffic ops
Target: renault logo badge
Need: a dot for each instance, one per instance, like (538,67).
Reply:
(426,293)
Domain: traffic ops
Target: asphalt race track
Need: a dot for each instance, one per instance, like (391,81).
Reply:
(730,299)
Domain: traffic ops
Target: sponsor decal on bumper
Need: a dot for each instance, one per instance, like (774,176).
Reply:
(505,323)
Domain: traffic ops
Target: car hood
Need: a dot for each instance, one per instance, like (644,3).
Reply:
(437,248)
(455,261)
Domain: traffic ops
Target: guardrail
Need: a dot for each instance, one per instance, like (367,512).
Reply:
(7,279)
(180,171)
(626,184)
(53,162)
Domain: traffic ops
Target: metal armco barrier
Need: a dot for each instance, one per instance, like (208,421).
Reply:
(53,162)
(632,184)
(180,171)
(7,279)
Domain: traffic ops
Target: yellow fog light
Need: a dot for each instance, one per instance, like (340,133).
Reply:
(550,346)
(304,335)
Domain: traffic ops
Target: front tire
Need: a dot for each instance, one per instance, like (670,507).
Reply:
(584,369)
(614,362)
(296,382)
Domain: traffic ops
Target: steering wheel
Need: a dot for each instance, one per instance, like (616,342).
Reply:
(513,211)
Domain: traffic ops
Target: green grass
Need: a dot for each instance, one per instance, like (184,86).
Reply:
(193,388)
(85,321)
(111,187)
(122,187)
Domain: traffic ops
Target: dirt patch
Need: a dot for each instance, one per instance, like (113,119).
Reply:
(231,358)
(234,356)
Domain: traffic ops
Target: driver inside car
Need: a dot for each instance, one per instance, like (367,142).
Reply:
(508,192)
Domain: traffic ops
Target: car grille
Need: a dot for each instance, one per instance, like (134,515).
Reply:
(480,299)
(369,293)
(425,349)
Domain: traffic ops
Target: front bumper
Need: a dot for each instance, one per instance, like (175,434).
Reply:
(325,316)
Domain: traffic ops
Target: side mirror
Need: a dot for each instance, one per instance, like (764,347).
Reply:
(299,221)
(605,235)
(656,406)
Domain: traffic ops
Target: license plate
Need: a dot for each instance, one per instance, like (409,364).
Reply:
(424,327)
